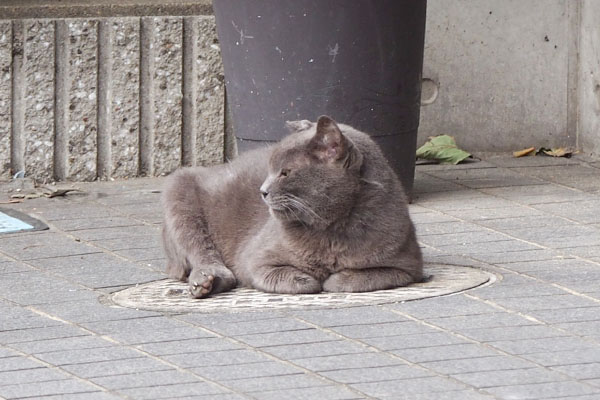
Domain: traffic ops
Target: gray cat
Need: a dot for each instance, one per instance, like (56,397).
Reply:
(321,210)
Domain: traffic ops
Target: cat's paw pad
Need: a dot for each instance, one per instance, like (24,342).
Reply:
(201,285)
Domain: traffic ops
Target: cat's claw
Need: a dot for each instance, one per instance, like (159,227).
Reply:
(202,289)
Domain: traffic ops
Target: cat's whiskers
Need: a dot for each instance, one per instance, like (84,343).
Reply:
(280,204)
(299,208)
(304,207)
(297,218)
(294,206)
(298,203)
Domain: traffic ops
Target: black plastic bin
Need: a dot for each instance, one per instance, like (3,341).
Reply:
(358,61)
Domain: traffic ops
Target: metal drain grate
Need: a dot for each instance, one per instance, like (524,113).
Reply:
(12,221)
(172,296)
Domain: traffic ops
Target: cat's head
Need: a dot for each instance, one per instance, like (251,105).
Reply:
(314,175)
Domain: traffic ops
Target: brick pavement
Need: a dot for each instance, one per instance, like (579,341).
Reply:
(534,334)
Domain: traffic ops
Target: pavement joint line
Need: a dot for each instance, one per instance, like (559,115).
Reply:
(54,228)
(505,309)
(54,257)
(532,318)
(554,284)
(136,349)
(282,360)
(280,331)
(95,228)
(58,368)
(594,382)
(251,348)
(491,346)
(49,272)
(119,213)
(511,200)
(574,292)
(510,237)
(375,349)
(132,216)
(579,162)
(103,250)
(66,378)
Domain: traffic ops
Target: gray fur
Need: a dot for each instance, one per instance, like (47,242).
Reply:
(332,216)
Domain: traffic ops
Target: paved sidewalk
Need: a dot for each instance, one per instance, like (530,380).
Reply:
(534,334)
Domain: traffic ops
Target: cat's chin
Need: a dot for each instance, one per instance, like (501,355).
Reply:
(283,215)
(280,213)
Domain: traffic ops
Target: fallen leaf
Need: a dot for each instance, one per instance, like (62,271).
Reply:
(34,195)
(558,152)
(442,149)
(55,192)
(530,151)
(12,201)
(44,191)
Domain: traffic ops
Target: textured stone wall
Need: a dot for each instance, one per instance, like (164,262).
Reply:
(589,79)
(86,98)
(5,95)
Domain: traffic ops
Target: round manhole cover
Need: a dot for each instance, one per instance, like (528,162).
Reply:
(168,295)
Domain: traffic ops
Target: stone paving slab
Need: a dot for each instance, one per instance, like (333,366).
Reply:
(533,334)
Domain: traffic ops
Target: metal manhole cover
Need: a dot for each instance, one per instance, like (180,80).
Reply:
(12,221)
(172,296)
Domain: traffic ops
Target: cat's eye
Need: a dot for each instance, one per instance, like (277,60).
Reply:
(284,172)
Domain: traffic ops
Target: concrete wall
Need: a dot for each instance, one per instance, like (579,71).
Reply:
(502,68)
(512,74)
(589,78)
(82,98)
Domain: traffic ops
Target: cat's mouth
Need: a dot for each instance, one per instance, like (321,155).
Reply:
(292,208)
(272,205)
(277,208)
(275,204)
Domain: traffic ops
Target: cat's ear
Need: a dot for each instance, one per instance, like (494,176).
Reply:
(330,144)
(297,126)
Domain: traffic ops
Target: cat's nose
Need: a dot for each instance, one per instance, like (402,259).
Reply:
(264,189)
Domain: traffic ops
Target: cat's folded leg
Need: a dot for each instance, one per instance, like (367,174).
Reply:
(191,253)
(284,279)
(201,266)
(366,280)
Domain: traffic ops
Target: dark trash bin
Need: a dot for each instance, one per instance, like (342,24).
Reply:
(358,61)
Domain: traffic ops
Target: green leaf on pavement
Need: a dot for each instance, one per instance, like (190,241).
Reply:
(442,149)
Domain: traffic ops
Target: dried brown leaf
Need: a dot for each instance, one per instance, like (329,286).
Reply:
(530,151)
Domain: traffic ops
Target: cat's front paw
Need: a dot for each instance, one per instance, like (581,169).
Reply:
(288,280)
(366,280)
(205,282)
(200,284)
(306,284)
(339,282)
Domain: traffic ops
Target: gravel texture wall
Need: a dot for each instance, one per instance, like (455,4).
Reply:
(88,98)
